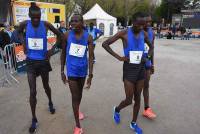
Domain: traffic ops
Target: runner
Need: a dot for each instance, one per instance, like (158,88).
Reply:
(149,69)
(96,34)
(74,54)
(133,68)
(62,27)
(37,57)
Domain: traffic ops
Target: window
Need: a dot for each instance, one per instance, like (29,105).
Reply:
(101,27)
(56,10)
(111,28)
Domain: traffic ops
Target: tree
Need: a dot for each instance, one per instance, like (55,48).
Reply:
(192,4)
(168,8)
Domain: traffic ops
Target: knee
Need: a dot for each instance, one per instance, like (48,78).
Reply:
(146,85)
(128,101)
(137,100)
(46,87)
(33,94)
(76,98)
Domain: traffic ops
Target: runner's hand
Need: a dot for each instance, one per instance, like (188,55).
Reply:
(48,55)
(144,60)
(64,79)
(124,59)
(152,69)
(89,81)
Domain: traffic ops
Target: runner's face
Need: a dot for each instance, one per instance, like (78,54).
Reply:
(76,23)
(35,18)
(138,25)
(149,21)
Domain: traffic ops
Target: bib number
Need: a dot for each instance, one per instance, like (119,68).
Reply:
(135,57)
(77,50)
(35,44)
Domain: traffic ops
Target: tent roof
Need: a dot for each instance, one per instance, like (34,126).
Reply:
(96,12)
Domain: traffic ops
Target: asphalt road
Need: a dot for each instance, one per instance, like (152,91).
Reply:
(174,96)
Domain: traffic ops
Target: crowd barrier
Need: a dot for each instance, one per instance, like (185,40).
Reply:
(9,63)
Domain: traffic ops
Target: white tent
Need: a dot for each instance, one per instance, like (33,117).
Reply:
(103,20)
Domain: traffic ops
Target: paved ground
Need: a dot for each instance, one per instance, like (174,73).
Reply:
(175,92)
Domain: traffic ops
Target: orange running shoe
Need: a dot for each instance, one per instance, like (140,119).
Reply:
(149,113)
(78,130)
(81,116)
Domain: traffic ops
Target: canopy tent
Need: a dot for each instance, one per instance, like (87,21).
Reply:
(103,20)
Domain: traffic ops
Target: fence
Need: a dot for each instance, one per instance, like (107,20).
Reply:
(8,63)
(3,72)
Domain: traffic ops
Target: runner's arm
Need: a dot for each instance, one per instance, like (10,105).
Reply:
(91,55)
(63,53)
(100,34)
(152,57)
(55,31)
(106,45)
(21,29)
(151,47)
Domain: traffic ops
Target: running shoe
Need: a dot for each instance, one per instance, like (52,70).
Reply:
(136,128)
(149,113)
(81,116)
(33,126)
(52,110)
(78,130)
(116,116)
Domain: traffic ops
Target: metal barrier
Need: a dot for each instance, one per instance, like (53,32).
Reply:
(3,72)
(10,60)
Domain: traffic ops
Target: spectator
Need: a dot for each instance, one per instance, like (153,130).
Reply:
(183,31)
(15,36)
(189,32)
(174,31)
(62,27)
(4,39)
(159,31)
(8,30)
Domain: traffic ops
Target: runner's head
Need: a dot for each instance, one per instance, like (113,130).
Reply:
(91,25)
(35,14)
(148,20)
(77,22)
(62,24)
(138,21)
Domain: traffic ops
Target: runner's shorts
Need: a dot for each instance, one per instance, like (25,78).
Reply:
(133,72)
(38,66)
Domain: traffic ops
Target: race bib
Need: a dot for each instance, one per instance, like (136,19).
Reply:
(146,49)
(135,57)
(77,50)
(35,43)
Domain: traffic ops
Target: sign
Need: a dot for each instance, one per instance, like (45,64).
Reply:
(20,58)
(21,13)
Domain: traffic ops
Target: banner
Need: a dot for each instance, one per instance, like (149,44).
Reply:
(21,13)
(20,58)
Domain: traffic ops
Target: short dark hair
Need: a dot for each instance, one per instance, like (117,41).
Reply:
(137,15)
(34,8)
